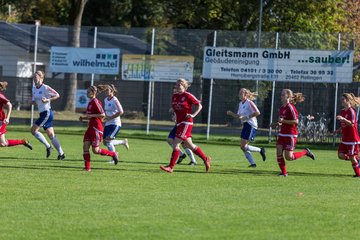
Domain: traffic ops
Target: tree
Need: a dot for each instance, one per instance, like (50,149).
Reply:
(75,17)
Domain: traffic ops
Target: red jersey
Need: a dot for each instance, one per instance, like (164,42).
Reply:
(3,101)
(182,104)
(350,134)
(288,112)
(95,107)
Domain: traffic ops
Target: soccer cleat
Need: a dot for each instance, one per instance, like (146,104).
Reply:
(252,165)
(262,152)
(310,154)
(48,151)
(207,164)
(181,158)
(192,163)
(86,169)
(166,169)
(356,176)
(61,157)
(126,144)
(282,174)
(116,158)
(27,144)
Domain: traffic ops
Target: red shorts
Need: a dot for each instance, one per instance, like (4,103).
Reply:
(94,136)
(288,143)
(349,149)
(2,129)
(183,131)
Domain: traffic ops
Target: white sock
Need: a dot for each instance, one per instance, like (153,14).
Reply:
(118,142)
(56,144)
(249,157)
(190,154)
(110,146)
(39,136)
(253,148)
(181,152)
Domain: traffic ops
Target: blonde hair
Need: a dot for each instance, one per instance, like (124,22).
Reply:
(40,74)
(184,83)
(103,87)
(354,101)
(294,97)
(250,95)
(3,86)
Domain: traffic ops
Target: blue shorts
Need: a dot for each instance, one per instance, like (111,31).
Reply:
(111,131)
(248,132)
(46,119)
(172,132)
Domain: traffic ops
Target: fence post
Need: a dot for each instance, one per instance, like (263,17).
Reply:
(150,92)
(94,46)
(210,97)
(336,93)
(273,93)
(259,42)
(37,24)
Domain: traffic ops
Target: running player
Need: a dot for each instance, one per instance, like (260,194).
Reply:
(113,111)
(42,95)
(247,114)
(182,103)
(5,120)
(349,146)
(288,121)
(93,135)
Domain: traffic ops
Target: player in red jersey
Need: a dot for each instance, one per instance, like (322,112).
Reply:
(93,135)
(5,119)
(349,146)
(288,121)
(182,103)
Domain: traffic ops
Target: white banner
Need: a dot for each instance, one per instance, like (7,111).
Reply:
(278,65)
(85,60)
(157,67)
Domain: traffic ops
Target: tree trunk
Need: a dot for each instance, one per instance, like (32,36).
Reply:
(75,16)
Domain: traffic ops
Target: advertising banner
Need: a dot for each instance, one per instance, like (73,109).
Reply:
(157,68)
(278,65)
(85,60)
(81,99)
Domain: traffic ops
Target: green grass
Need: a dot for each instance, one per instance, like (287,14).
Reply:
(49,199)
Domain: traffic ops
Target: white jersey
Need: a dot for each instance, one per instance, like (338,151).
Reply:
(246,108)
(44,91)
(112,107)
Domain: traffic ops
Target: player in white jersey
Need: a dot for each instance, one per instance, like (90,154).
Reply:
(42,95)
(247,113)
(113,111)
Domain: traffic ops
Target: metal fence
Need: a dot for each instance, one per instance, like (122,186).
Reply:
(17,45)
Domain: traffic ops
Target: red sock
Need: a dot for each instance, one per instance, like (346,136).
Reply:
(281,162)
(200,153)
(12,142)
(298,155)
(174,157)
(86,156)
(356,168)
(105,152)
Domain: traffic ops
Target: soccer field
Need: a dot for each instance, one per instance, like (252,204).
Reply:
(50,199)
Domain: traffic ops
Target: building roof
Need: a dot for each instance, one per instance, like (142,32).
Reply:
(23,36)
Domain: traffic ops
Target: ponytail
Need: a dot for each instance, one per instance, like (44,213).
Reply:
(354,101)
